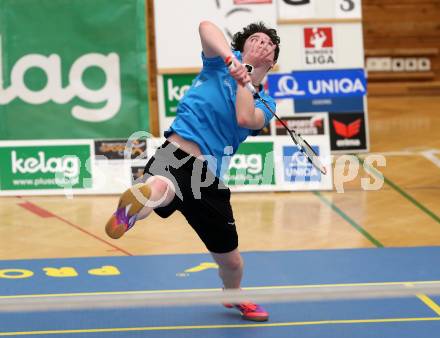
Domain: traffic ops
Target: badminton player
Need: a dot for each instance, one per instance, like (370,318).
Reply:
(213,118)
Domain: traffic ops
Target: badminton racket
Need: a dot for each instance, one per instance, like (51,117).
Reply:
(302,144)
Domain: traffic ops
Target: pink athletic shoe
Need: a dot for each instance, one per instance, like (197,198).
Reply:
(130,203)
(250,311)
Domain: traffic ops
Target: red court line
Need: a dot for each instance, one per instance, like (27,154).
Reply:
(36,209)
(45,214)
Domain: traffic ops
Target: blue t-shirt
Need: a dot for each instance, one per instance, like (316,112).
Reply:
(206,114)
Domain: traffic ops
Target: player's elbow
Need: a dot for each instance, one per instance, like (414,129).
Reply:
(242,121)
(249,121)
(204,26)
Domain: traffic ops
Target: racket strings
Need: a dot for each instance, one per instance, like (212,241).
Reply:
(302,144)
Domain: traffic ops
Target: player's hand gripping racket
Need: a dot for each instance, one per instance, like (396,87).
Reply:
(302,144)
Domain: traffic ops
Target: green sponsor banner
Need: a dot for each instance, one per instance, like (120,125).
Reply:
(45,167)
(72,69)
(253,164)
(174,88)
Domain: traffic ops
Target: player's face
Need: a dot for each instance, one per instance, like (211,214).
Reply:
(262,41)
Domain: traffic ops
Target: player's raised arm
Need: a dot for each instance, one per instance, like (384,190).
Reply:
(214,44)
(213,40)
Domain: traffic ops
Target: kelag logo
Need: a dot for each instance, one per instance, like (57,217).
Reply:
(45,167)
(253,164)
(318,84)
(174,87)
(51,88)
(66,84)
(297,167)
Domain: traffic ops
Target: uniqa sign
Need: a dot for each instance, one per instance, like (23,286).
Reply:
(317,84)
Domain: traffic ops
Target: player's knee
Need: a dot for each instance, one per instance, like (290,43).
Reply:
(160,185)
(234,263)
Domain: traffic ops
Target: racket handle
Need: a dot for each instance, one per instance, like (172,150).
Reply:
(231,66)
(249,86)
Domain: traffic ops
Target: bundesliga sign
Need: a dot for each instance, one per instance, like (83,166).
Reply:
(318,84)
(318,45)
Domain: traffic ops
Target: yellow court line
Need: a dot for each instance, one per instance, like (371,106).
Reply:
(430,303)
(276,287)
(222,326)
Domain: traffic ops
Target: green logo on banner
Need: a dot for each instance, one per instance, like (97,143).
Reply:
(175,87)
(45,167)
(253,164)
(68,77)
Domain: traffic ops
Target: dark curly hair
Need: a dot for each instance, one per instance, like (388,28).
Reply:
(240,38)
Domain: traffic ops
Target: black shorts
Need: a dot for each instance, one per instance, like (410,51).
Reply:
(200,196)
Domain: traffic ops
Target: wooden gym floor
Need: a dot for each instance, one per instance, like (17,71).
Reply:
(403,213)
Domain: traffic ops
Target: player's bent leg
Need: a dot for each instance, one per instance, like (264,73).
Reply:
(162,193)
(137,202)
(231,271)
(230,267)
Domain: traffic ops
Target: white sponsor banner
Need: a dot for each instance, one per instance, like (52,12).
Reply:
(321,46)
(318,9)
(295,173)
(263,163)
(176,24)
(348,9)
(285,107)
(296,9)
(113,177)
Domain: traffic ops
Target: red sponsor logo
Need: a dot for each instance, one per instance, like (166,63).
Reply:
(318,123)
(302,125)
(347,130)
(318,37)
(251,2)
